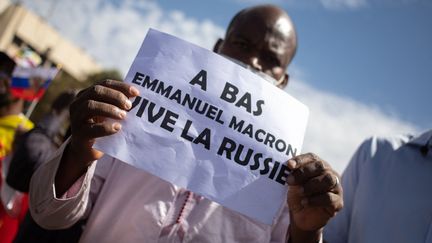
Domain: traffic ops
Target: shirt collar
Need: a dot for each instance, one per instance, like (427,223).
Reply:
(422,139)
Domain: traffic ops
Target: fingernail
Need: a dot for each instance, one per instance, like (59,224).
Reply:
(291,164)
(304,201)
(117,126)
(291,179)
(134,91)
(121,114)
(128,104)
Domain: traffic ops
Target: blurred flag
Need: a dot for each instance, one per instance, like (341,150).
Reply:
(30,83)
(27,58)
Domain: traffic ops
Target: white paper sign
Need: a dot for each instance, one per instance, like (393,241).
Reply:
(209,125)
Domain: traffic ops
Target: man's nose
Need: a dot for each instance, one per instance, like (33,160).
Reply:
(255,63)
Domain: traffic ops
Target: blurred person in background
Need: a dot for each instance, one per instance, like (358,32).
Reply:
(11,121)
(11,117)
(37,145)
(124,204)
(387,192)
(33,148)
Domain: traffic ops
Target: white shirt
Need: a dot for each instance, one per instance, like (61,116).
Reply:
(124,204)
(387,193)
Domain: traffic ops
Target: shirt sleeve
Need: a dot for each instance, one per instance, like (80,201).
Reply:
(337,230)
(33,149)
(280,229)
(55,212)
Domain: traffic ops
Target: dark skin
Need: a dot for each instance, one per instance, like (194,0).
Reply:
(262,37)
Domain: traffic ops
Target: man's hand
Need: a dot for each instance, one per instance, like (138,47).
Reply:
(314,195)
(89,114)
(90,110)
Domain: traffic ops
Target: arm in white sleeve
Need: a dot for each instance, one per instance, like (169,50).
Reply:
(56,212)
(337,230)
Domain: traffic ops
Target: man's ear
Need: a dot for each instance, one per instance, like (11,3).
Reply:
(218,45)
(284,82)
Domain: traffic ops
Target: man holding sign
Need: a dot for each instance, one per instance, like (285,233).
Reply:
(124,204)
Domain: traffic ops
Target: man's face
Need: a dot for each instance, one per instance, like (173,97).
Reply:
(263,42)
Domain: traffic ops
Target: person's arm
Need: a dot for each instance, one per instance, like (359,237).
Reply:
(88,114)
(337,230)
(52,211)
(73,168)
(314,196)
(299,235)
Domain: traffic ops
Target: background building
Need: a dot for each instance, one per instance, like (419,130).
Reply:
(24,33)
(20,29)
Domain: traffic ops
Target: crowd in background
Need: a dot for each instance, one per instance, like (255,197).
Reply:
(385,184)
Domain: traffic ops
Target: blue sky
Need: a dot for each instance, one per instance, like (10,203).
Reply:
(377,52)
(363,67)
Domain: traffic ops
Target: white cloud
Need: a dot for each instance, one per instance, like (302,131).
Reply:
(337,125)
(113,34)
(343,4)
(327,4)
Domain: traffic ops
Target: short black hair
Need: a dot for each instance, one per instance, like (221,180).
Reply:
(241,13)
(234,19)
(7,64)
